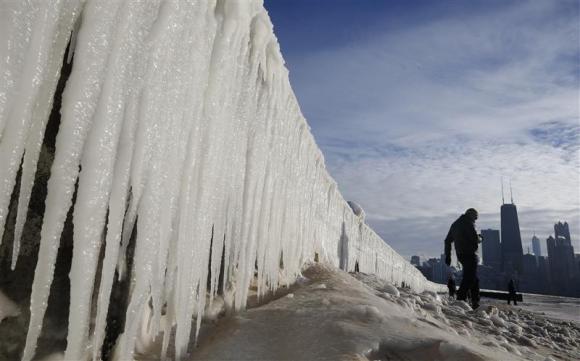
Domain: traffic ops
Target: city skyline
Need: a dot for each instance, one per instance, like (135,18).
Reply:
(556,273)
(421,107)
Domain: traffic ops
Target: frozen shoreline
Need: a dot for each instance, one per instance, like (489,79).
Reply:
(334,316)
(330,314)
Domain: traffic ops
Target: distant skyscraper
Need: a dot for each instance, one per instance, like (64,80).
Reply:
(563,267)
(440,270)
(491,248)
(511,240)
(529,265)
(536,246)
(562,230)
(415,260)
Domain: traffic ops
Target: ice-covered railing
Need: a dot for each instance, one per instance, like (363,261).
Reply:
(177,120)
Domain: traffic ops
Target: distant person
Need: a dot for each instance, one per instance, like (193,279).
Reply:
(462,233)
(512,292)
(451,286)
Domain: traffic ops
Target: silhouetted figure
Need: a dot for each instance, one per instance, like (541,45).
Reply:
(451,286)
(512,293)
(462,233)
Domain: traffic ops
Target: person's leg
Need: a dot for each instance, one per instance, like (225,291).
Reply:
(469,274)
(475,289)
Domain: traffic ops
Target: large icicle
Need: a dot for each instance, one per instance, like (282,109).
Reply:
(27,87)
(22,121)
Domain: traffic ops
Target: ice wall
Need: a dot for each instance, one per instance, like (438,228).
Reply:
(178,120)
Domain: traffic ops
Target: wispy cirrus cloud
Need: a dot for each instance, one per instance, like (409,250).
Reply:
(419,119)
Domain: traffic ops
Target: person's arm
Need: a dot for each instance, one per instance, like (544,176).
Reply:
(448,241)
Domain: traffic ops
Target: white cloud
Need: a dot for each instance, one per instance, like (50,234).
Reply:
(420,123)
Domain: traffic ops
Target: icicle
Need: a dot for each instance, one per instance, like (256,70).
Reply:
(58,25)
(38,75)
(73,40)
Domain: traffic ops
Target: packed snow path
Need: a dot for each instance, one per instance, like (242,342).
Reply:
(178,124)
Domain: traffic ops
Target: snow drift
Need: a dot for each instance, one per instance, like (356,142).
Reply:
(178,128)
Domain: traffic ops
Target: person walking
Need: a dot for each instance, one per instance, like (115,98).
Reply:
(462,233)
(512,293)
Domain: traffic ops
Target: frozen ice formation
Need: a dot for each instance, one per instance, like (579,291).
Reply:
(178,125)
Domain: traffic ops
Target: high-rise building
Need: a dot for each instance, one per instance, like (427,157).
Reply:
(562,230)
(529,265)
(491,248)
(563,267)
(536,246)
(416,260)
(530,282)
(544,273)
(511,240)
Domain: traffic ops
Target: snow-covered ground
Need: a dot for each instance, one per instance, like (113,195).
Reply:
(333,315)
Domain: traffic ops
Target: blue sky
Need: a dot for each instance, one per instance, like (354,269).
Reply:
(420,107)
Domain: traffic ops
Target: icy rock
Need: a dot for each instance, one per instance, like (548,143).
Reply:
(321,286)
(514,329)
(7,307)
(390,289)
(432,307)
(486,322)
(369,313)
(492,310)
(497,321)
(491,344)
(454,311)
(432,296)
(402,303)
(291,295)
(523,340)
(464,332)
(301,280)
(386,296)
(463,305)
(468,324)
(512,349)
(501,339)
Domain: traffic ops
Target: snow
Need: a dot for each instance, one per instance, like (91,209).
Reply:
(178,121)
(392,290)
(563,308)
(356,323)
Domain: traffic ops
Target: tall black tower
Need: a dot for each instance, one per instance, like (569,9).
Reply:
(511,239)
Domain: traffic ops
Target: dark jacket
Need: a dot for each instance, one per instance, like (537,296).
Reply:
(463,234)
